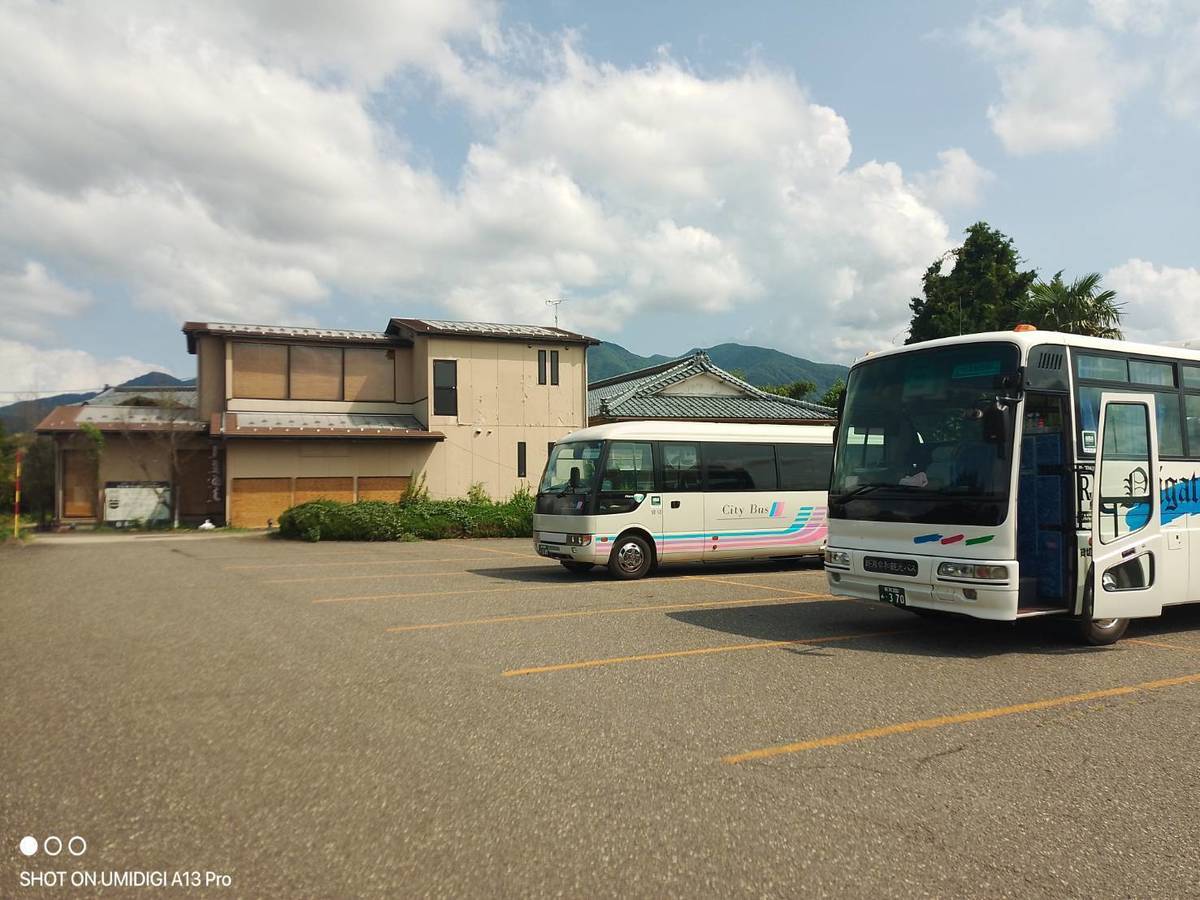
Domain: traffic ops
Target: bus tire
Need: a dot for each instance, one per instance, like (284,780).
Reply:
(575,567)
(631,557)
(1099,632)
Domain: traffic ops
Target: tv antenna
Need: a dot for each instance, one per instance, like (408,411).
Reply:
(556,304)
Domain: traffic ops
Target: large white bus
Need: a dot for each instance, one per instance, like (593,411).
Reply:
(965,479)
(635,495)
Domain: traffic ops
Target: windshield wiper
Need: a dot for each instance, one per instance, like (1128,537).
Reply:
(859,491)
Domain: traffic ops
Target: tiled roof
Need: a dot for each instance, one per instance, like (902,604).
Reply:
(121,418)
(285,331)
(275,424)
(492,330)
(639,395)
(182,395)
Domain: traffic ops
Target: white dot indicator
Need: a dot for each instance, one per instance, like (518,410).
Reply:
(28,845)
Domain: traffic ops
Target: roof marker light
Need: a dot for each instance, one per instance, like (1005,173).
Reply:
(1025,326)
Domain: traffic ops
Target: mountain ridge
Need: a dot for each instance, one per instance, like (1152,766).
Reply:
(761,366)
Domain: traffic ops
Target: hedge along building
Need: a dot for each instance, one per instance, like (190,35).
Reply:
(291,414)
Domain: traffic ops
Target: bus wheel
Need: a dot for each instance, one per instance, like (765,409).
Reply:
(1099,632)
(576,568)
(631,557)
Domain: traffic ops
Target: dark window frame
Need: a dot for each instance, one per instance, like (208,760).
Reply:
(660,458)
(706,448)
(1129,387)
(522,460)
(541,366)
(439,410)
(825,448)
(554,367)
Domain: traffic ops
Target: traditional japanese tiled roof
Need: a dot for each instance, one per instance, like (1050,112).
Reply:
(640,395)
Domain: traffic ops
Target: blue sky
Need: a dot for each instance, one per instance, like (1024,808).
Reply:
(685,173)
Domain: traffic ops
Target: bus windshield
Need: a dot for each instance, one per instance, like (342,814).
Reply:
(570,476)
(925,437)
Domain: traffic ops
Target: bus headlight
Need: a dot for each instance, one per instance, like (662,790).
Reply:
(839,558)
(579,540)
(971,570)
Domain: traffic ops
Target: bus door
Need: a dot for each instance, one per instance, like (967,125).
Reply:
(682,501)
(1127,539)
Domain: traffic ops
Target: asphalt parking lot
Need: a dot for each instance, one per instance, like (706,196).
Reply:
(462,718)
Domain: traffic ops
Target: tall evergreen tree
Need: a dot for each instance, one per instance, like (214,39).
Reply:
(983,291)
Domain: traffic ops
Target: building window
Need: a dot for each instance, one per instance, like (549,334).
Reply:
(541,367)
(260,371)
(554,367)
(370,374)
(520,459)
(445,387)
(315,373)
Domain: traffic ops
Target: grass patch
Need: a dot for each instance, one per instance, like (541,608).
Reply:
(415,517)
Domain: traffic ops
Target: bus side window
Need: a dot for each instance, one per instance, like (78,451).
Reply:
(681,467)
(804,467)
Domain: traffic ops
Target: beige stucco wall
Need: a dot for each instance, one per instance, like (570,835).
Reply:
(498,386)
(315,458)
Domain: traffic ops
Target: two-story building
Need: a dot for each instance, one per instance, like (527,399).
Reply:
(282,415)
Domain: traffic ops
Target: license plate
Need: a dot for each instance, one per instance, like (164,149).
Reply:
(892,595)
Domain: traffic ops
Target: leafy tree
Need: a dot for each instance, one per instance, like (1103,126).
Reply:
(834,395)
(797,390)
(1077,308)
(983,291)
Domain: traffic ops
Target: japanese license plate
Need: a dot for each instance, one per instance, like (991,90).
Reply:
(892,595)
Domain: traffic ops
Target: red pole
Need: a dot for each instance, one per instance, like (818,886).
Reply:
(17,499)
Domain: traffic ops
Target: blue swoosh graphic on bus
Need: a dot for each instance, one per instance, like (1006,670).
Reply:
(798,524)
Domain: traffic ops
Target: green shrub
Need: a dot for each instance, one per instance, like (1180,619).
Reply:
(415,517)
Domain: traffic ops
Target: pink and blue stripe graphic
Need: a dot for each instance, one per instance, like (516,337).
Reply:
(809,526)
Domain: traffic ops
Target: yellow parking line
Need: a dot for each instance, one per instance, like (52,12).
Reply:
(368,561)
(508,553)
(959,719)
(747,584)
(1162,644)
(700,651)
(316,578)
(505,590)
(573,614)
(567,584)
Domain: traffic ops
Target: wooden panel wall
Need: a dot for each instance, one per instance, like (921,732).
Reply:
(79,485)
(316,373)
(254,500)
(260,371)
(389,488)
(341,489)
(370,374)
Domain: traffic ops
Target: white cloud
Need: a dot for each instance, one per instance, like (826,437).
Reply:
(1181,73)
(30,370)
(957,182)
(31,296)
(1060,87)
(1141,16)
(222,161)
(1162,303)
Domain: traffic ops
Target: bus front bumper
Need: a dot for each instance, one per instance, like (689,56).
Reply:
(560,546)
(928,591)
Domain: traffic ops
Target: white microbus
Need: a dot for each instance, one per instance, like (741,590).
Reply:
(634,495)
(965,479)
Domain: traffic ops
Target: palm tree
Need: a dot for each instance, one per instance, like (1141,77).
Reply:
(1076,308)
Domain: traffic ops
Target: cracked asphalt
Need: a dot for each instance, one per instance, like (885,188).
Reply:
(462,718)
